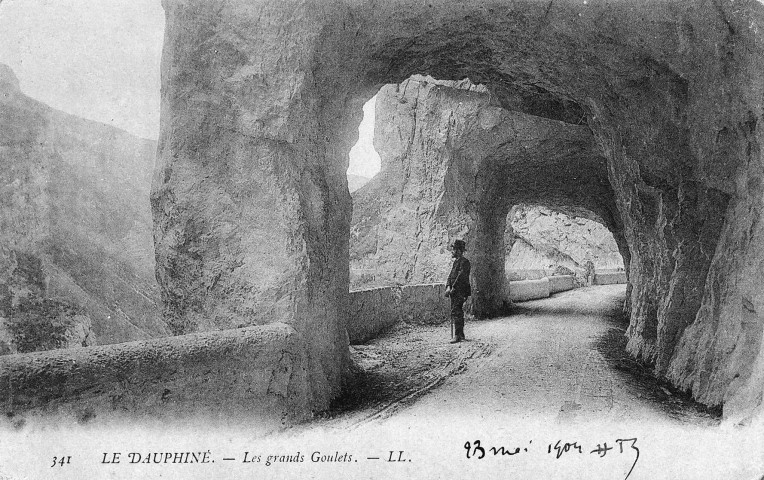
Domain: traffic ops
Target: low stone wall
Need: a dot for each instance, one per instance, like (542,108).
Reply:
(523,290)
(376,309)
(561,283)
(609,278)
(252,371)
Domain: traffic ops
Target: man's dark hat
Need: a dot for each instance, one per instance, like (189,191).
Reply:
(459,245)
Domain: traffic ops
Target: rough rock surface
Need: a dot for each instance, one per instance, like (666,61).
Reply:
(57,333)
(75,219)
(260,105)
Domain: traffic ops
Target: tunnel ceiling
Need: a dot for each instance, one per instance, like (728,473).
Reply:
(542,58)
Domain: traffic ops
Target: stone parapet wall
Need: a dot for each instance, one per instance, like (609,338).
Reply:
(255,371)
(524,290)
(610,278)
(373,310)
(561,283)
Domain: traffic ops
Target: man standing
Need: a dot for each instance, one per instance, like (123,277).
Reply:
(458,288)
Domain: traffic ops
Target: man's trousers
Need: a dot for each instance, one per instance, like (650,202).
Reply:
(457,314)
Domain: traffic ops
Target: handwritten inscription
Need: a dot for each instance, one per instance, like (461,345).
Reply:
(566,447)
(558,449)
(475,450)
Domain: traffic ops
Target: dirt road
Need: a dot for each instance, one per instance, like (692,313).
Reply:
(561,359)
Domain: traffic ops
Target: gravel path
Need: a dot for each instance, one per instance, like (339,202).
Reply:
(561,359)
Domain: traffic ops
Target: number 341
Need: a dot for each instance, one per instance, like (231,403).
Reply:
(61,461)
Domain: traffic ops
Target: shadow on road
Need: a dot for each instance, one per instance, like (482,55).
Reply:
(398,367)
(641,380)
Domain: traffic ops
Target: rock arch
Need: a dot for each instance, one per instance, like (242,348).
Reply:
(260,101)
(453,165)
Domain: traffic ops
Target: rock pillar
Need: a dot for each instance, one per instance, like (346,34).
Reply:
(251,209)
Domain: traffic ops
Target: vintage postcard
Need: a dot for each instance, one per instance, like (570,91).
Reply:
(380,239)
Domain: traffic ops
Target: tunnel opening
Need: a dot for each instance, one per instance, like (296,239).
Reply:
(452,154)
(542,242)
(456,164)
(401,224)
(364,160)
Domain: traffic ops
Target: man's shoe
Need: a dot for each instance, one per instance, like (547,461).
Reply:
(456,340)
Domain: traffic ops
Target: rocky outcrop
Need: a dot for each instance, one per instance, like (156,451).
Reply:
(646,115)
(75,224)
(44,324)
(250,220)
(539,239)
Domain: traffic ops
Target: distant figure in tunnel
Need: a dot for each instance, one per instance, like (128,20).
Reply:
(458,288)
(589,273)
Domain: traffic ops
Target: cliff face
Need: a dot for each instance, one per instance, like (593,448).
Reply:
(75,222)
(646,115)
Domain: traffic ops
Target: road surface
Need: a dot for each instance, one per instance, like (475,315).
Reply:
(559,359)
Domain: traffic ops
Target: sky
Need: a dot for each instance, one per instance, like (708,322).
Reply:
(364,160)
(100,60)
(97,59)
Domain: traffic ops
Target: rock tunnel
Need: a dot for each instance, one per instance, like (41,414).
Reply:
(642,115)
(453,165)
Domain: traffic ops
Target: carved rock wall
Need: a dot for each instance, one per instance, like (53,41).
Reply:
(250,197)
